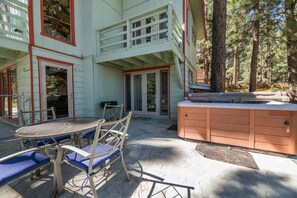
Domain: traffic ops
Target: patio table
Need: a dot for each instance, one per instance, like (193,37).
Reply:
(58,127)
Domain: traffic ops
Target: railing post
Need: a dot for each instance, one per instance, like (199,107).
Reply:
(169,22)
(128,33)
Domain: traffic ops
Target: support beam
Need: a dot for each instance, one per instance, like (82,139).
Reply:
(178,72)
(109,64)
(160,57)
(121,63)
(146,60)
(135,61)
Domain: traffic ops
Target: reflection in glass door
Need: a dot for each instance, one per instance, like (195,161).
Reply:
(164,92)
(138,92)
(57,89)
(13,100)
(151,92)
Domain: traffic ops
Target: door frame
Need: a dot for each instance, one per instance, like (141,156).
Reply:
(9,94)
(158,89)
(42,82)
(144,92)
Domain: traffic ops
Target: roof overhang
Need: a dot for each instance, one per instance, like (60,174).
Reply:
(198,14)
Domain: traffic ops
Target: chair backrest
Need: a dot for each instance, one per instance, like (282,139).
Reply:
(113,138)
(112,112)
(27,118)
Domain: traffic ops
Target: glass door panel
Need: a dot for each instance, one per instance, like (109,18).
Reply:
(138,92)
(4,101)
(151,92)
(164,92)
(56,90)
(13,91)
(128,92)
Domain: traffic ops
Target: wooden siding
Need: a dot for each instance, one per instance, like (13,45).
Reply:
(270,130)
(195,124)
(225,129)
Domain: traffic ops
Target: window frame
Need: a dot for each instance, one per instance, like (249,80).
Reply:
(72,24)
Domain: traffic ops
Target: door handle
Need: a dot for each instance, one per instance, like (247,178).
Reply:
(287,123)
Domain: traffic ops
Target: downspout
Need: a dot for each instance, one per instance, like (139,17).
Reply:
(31,43)
(184,45)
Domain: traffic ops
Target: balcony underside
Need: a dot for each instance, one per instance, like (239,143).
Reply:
(11,49)
(148,55)
(9,53)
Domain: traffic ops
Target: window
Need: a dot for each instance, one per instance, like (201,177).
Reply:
(58,20)
(193,36)
(190,77)
(187,22)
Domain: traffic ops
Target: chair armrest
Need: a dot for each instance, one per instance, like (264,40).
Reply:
(18,153)
(119,133)
(76,150)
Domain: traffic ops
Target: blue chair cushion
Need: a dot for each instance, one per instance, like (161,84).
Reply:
(83,163)
(43,141)
(89,135)
(20,165)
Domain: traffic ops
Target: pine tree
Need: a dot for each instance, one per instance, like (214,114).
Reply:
(218,63)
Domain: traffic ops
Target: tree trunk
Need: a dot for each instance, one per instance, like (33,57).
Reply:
(235,64)
(217,81)
(291,47)
(206,65)
(238,67)
(254,62)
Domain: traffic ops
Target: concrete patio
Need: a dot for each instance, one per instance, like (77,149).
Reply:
(162,165)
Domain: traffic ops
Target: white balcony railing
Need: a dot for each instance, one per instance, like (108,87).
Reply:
(155,26)
(14,19)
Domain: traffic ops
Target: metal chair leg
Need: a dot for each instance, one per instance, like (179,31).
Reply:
(94,192)
(125,167)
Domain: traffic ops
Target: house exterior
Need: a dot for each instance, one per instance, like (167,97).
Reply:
(74,54)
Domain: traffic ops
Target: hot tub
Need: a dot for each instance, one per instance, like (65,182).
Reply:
(270,126)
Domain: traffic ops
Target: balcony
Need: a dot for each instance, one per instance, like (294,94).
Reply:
(14,32)
(150,39)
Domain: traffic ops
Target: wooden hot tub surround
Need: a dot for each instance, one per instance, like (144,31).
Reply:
(270,126)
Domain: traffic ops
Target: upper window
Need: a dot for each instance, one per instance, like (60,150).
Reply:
(187,22)
(58,19)
(193,36)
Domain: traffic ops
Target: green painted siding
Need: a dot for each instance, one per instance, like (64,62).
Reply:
(176,93)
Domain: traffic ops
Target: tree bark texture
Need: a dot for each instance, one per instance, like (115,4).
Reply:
(218,63)
(235,64)
(206,64)
(255,52)
(291,47)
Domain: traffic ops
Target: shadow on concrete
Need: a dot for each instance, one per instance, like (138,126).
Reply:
(155,186)
(250,184)
(144,152)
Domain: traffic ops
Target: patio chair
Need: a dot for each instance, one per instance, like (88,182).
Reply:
(104,150)
(110,113)
(20,164)
(26,119)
